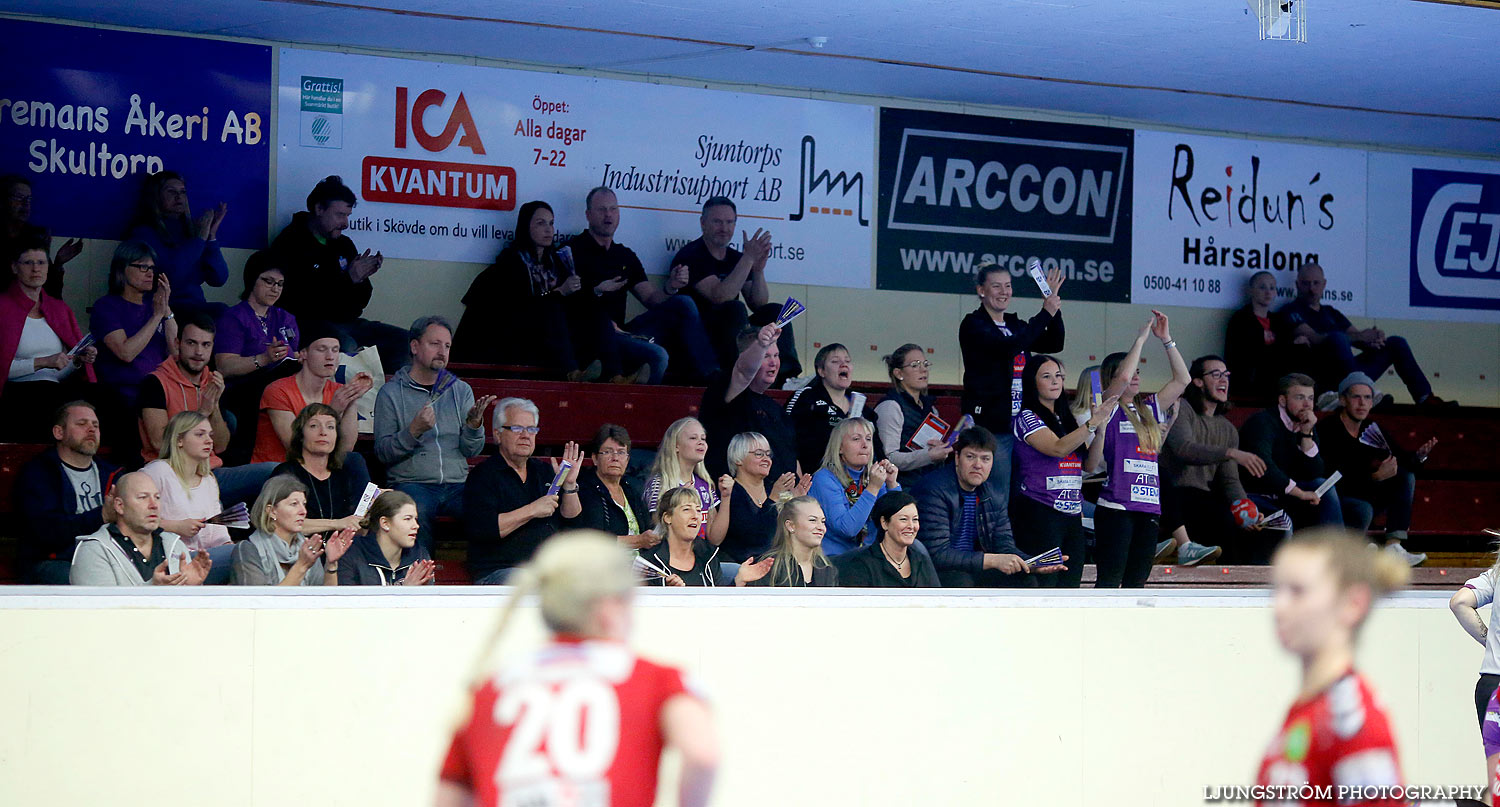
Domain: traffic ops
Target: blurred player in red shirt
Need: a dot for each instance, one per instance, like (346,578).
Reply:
(1336,733)
(583,721)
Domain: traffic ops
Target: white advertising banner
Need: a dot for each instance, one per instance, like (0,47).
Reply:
(1212,211)
(1434,236)
(442,155)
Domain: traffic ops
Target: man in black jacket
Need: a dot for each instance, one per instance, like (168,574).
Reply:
(995,345)
(60,494)
(1285,437)
(965,526)
(328,280)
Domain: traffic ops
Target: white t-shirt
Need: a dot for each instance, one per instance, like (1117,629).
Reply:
(87,493)
(179,502)
(1483,587)
(37,340)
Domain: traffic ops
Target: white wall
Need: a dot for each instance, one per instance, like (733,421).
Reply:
(237,698)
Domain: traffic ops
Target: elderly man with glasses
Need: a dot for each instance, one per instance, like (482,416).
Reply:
(509,509)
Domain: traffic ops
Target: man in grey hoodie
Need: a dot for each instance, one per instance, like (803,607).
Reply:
(133,549)
(428,425)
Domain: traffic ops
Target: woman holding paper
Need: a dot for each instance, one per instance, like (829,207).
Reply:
(752,503)
(1048,513)
(189,491)
(908,409)
(849,484)
(682,559)
(1127,521)
(679,463)
(36,334)
(388,553)
(333,488)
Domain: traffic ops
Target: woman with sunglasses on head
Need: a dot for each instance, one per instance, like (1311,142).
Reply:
(900,414)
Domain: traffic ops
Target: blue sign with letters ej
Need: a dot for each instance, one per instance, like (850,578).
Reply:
(1455,236)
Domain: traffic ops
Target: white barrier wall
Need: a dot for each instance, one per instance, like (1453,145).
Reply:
(333,698)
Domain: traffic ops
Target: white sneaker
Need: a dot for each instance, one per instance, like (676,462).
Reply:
(1411,558)
(1328,401)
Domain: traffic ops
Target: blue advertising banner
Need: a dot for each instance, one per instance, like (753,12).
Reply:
(86,114)
(960,190)
(1434,238)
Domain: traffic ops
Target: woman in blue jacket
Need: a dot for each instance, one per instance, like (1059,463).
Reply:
(848,485)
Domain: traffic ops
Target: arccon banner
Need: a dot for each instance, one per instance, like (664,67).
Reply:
(86,113)
(958,190)
(1434,238)
(442,155)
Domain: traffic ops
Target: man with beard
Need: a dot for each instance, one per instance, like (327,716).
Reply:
(428,425)
(1378,475)
(1201,468)
(60,494)
(718,275)
(181,383)
(1285,438)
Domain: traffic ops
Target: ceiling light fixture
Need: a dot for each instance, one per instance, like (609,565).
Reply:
(1281,20)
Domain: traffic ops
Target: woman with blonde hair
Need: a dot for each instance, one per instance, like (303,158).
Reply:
(1336,733)
(277,553)
(754,498)
(388,553)
(679,463)
(684,560)
(190,492)
(1127,519)
(849,483)
(797,557)
(618,711)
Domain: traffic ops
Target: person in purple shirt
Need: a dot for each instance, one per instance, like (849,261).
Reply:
(133,324)
(1047,508)
(255,338)
(187,249)
(1127,520)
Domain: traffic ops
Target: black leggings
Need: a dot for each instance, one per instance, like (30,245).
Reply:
(1482,692)
(1124,547)
(1040,528)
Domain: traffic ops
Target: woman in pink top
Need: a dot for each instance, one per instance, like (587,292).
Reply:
(189,491)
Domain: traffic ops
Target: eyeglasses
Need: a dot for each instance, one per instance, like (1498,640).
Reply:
(275,284)
(761,453)
(1215,374)
(20,198)
(915,364)
(613,452)
(521,429)
(150,267)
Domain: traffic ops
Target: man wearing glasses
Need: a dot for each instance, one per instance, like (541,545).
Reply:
(508,507)
(1201,467)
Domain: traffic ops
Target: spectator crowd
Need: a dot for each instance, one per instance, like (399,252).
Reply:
(196,443)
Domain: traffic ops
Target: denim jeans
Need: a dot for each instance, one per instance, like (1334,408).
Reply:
(499,577)
(675,326)
(1395,496)
(433,500)
(242,483)
(1338,350)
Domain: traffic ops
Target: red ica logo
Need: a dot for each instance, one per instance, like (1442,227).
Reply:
(458,119)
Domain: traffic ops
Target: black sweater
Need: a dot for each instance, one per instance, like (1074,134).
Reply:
(1265,436)
(318,286)
(989,360)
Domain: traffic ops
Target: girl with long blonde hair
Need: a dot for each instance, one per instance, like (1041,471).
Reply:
(189,490)
(849,483)
(679,463)
(1127,519)
(797,557)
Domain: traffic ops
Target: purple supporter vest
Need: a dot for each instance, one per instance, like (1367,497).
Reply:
(1134,482)
(1056,483)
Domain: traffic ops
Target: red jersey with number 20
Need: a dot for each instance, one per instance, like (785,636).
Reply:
(1340,739)
(576,725)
